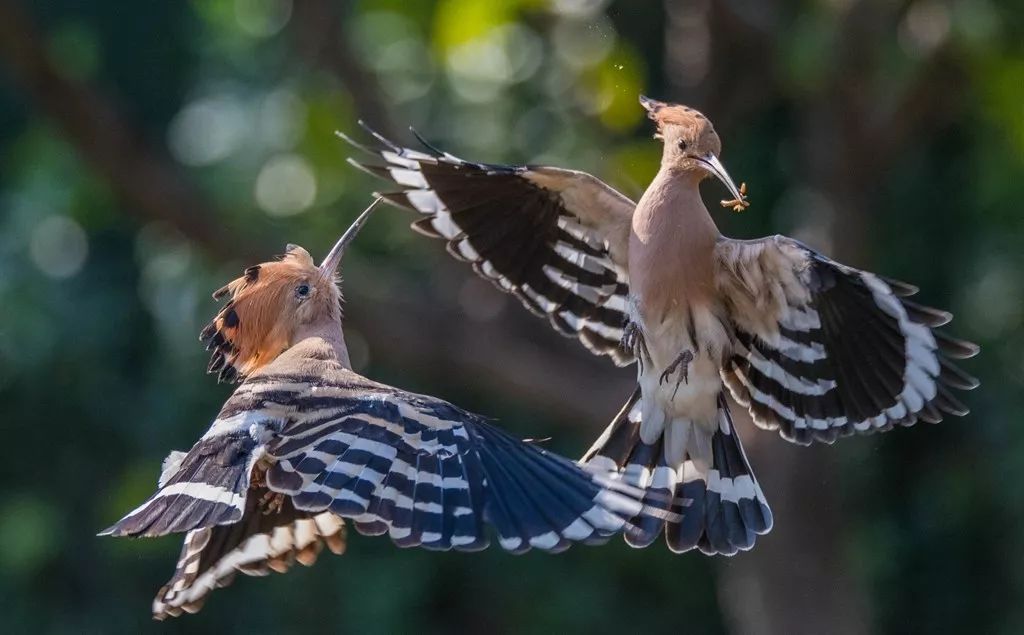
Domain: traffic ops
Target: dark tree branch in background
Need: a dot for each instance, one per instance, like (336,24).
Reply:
(405,331)
(318,35)
(931,100)
(149,184)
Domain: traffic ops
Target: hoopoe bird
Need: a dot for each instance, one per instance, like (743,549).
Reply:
(813,348)
(305,442)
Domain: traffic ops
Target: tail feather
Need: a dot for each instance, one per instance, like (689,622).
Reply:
(659,483)
(620,449)
(257,545)
(701,468)
(616,443)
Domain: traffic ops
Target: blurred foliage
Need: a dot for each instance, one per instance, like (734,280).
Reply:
(101,374)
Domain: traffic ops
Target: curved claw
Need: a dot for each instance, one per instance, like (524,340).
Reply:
(682,364)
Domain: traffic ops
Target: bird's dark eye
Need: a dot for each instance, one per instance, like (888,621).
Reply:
(682,144)
(302,291)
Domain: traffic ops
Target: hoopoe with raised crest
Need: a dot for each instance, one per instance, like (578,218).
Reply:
(305,442)
(813,348)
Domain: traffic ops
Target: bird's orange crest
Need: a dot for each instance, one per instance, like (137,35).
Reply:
(664,114)
(265,306)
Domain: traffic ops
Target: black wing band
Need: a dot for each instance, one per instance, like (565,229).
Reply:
(858,357)
(514,232)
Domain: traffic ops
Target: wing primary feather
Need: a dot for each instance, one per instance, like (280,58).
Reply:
(429,146)
(554,514)
(379,137)
(355,144)
(522,517)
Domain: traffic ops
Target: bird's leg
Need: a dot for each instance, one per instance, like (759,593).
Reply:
(682,364)
(271,502)
(633,341)
(630,335)
(258,478)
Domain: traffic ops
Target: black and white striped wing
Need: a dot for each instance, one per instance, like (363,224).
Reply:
(206,487)
(556,239)
(429,474)
(261,543)
(826,350)
(231,524)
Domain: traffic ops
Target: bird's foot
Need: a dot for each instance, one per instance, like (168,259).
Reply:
(682,365)
(271,503)
(630,335)
(633,341)
(258,478)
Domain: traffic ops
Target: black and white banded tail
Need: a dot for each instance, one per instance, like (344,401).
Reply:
(264,541)
(700,467)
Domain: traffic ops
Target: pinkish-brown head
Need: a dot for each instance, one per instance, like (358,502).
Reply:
(691,143)
(271,304)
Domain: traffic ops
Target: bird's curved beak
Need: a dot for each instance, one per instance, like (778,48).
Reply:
(330,264)
(711,163)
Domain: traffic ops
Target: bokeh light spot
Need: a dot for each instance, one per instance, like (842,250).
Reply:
(262,18)
(286,185)
(207,130)
(59,247)
(282,119)
(925,27)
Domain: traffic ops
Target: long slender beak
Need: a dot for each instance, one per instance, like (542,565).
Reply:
(714,166)
(330,264)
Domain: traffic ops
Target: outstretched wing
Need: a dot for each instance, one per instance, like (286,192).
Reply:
(429,474)
(556,239)
(262,542)
(826,350)
(206,487)
(417,468)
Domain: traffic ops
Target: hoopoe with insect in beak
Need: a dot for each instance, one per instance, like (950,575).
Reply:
(305,442)
(813,348)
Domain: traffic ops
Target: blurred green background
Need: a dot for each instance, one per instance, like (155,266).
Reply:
(150,150)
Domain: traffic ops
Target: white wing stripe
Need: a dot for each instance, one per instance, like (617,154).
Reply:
(800,352)
(786,380)
(801,319)
(409,178)
(425,201)
(202,491)
(919,386)
(587,292)
(580,259)
(545,304)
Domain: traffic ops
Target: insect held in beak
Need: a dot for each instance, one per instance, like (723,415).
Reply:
(738,204)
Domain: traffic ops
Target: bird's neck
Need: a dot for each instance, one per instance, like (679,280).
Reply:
(672,243)
(671,215)
(328,330)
